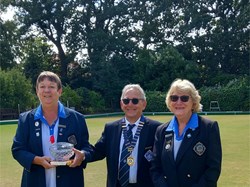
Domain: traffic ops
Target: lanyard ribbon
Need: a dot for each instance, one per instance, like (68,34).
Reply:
(51,129)
(51,133)
(131,145)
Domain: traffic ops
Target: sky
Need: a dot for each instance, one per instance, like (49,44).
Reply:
(7,15)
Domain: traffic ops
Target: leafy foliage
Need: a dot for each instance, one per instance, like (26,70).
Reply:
(234,96)
(93,102)
(70,97)
(157,70)
(155,101)
(16,90)
(8,44)
(39,57)
(103,45)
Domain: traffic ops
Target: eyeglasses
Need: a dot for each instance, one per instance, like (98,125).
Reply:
(135,101)
(184,98)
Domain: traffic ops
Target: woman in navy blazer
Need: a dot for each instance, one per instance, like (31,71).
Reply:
(187,150)
(39,128)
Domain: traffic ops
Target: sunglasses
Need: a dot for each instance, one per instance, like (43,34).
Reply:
(184,98)
(135,101)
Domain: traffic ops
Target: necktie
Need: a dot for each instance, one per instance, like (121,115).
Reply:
(124,167)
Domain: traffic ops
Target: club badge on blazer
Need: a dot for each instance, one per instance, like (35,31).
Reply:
(199,148)
(37,128)
(168,142)
(60,129)
(149,155)
(72,139)
(36,123)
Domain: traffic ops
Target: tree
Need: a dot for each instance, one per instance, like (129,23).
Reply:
(71,97)
(157,70)
(111,37)
(92,102)
(16,90)
(215,35)
(8,44)
(39,57)
(51,19)
(108,30)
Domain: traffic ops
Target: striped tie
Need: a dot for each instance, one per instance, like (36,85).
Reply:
(124,167)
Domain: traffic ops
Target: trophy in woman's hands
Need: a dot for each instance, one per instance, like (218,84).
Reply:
(61,152)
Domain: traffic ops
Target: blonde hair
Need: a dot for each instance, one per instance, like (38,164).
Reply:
(187,87)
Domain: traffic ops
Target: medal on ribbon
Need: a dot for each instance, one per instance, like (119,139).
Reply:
(130,161)
(131,145)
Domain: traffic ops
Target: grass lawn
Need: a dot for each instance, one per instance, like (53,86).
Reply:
(235,136)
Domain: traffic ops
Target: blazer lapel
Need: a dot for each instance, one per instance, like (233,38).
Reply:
(62,129)
(37,128)
(116,145)
(142,140)
(186,143)
(169,145)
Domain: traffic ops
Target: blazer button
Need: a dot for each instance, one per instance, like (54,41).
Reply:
(165,177)
(188,175)
(58,176)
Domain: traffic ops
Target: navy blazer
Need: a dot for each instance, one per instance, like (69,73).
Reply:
(198,161)
(109,146)
(27,144)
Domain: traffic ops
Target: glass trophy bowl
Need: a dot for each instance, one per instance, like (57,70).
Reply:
(61,152)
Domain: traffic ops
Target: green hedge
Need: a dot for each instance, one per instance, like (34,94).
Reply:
(232,97)
(235,96)
(155,101)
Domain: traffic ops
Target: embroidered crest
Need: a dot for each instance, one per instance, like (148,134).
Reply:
(199,148)
(149,155)
(72,139)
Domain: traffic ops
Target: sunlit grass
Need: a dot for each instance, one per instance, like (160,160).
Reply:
(235,137)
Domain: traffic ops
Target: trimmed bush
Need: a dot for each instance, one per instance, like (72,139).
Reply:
(232,97)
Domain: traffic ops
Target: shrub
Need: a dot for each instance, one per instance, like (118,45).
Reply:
(232,97)
(155,101)
(16,90)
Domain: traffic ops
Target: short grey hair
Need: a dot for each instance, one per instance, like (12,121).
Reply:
(135,87)
(185,86)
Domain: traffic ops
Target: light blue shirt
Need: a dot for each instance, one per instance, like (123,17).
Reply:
(173,126)
(50,174)
(133,168)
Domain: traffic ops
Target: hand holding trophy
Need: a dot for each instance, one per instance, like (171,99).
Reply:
(61,152)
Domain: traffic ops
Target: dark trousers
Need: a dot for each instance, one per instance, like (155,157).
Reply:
(129,185)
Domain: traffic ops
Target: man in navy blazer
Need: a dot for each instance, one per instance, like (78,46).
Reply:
(110,145)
